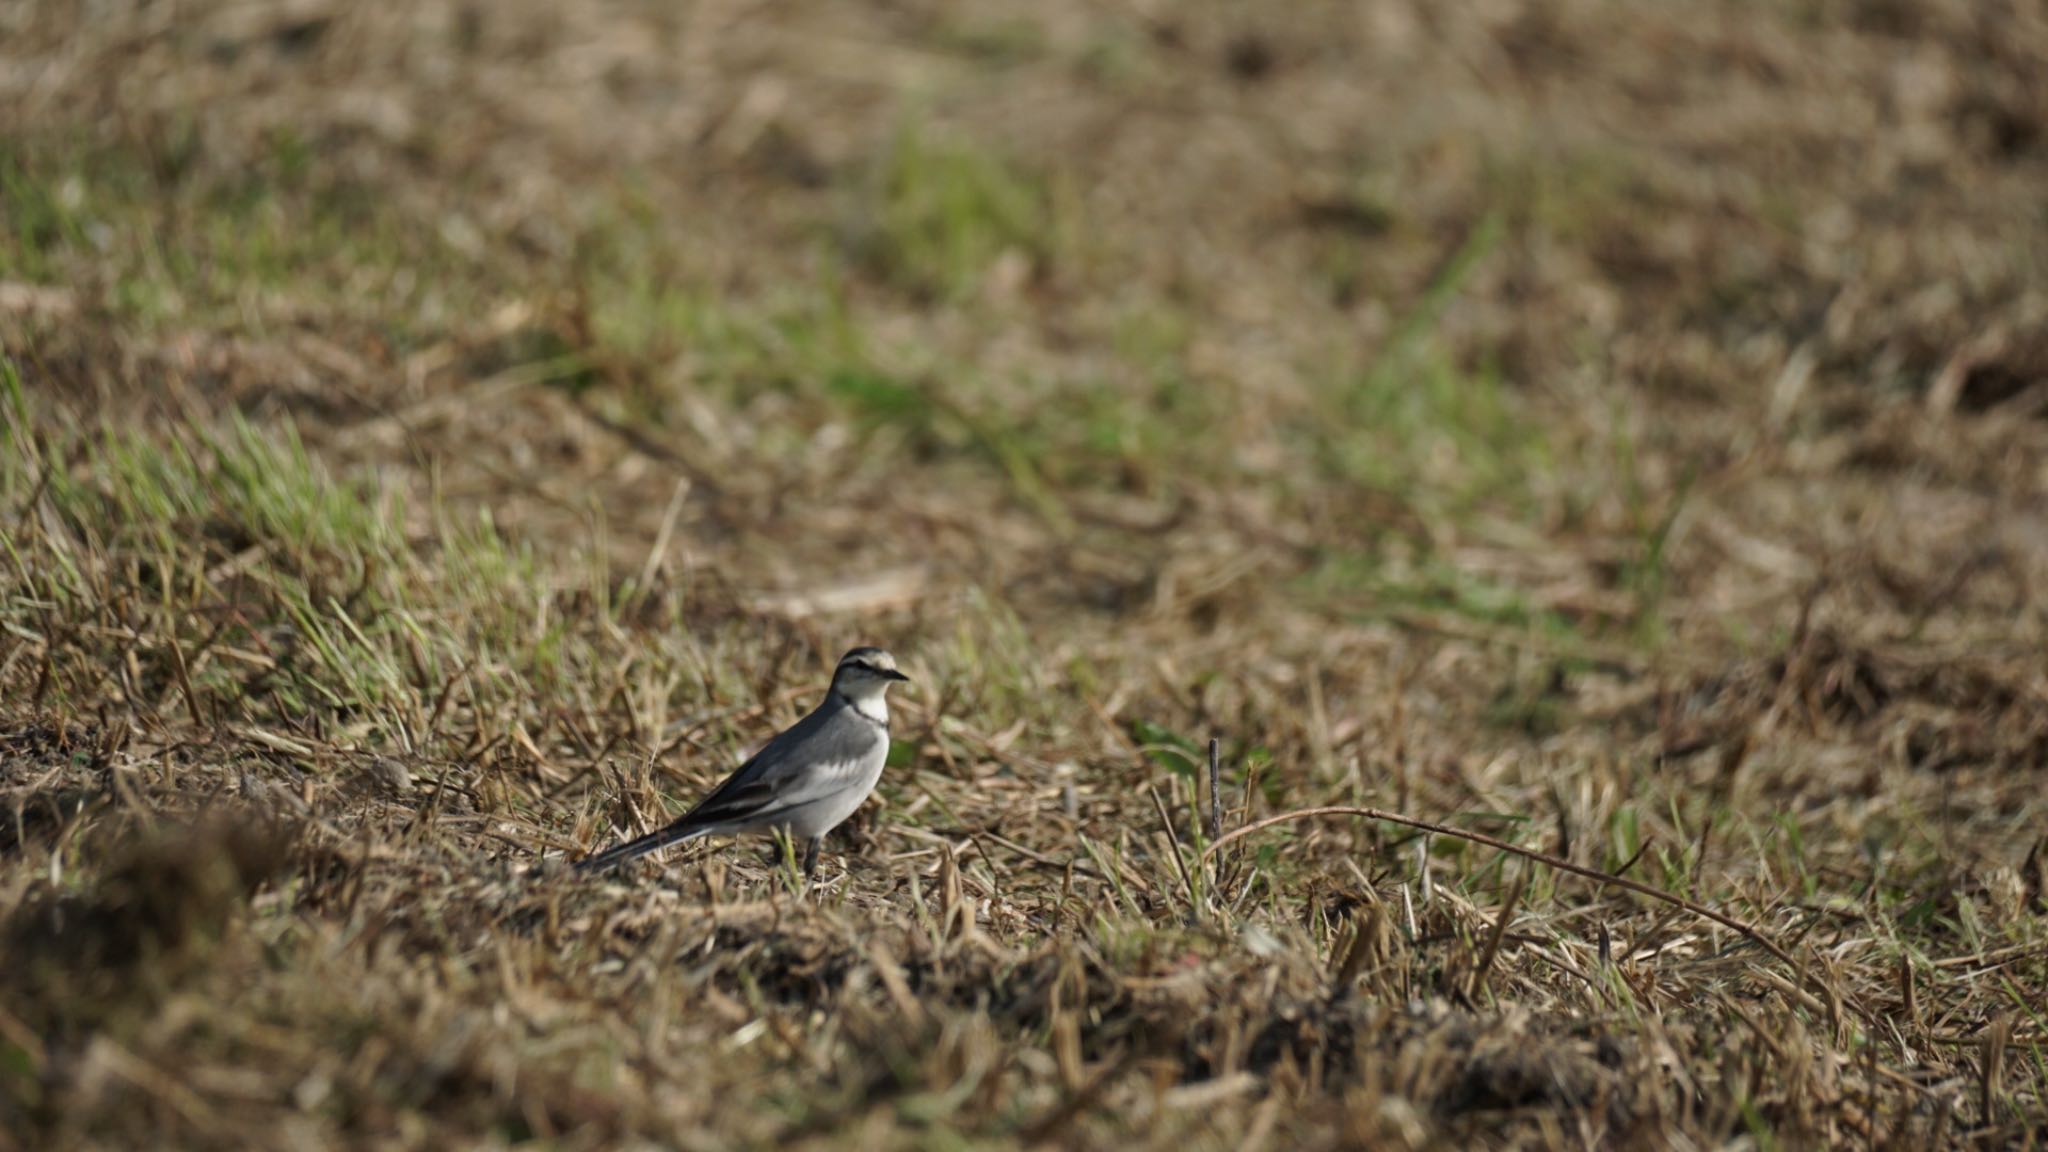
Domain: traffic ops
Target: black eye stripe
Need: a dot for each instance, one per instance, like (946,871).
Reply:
(873,661)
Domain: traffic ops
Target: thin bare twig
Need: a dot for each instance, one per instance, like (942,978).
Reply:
(185,681)
(658,551)
(1180,865)
(1215,789)
(1500,930)
(1751,931)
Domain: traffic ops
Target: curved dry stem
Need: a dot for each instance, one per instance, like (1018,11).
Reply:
(1747,929)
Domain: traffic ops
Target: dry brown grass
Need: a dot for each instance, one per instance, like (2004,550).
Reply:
(440,438)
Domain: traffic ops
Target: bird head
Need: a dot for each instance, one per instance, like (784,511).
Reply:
(866,672)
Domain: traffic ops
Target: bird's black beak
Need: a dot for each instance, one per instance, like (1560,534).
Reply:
(893,674)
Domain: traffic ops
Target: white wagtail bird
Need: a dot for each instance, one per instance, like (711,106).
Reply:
(806,781)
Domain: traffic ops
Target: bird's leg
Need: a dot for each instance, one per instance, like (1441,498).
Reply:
(811,857)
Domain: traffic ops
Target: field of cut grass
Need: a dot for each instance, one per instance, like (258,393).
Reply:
(1584,466)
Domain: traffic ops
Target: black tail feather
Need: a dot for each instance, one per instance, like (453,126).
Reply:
(675,833)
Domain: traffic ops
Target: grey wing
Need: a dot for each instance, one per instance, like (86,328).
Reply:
(814,757)
(803,766)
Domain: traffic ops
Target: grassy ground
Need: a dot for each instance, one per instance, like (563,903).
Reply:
(440,439)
